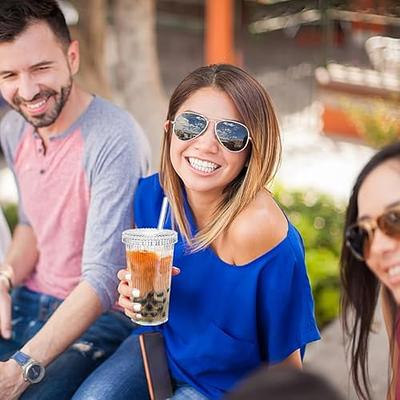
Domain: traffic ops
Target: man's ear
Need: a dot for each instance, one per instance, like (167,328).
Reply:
(73,56)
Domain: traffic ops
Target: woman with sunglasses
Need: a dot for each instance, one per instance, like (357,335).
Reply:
(242,297)
(370,263)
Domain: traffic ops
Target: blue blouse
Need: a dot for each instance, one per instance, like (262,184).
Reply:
(225,320)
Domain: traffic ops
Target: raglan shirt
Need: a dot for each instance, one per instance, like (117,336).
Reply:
(77,196)
(225,320)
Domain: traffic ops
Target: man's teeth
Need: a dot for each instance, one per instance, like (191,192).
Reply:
(37,105)
(203,166)
(394,271)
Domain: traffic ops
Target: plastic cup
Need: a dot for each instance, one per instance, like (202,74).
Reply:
(149,255)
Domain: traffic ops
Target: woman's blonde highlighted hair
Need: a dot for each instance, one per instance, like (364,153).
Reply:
(257,113)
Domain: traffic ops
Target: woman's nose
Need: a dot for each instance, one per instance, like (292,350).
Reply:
(207,141)
(382,243)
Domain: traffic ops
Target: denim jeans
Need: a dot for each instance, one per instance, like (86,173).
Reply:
(30,312)
(122,377)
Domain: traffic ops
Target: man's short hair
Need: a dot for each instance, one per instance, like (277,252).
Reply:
(17,15)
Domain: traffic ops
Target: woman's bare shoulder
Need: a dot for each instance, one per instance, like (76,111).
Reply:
(257,229)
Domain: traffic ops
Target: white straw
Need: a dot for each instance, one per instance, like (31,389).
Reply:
(163,213)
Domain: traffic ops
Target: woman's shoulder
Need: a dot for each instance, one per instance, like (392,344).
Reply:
(257,230)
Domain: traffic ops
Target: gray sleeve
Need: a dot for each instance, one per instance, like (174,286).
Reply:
(12,128)
(113,167)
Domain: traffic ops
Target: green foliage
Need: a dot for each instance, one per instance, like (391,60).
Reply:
(377,122)
(320,222)
(11,213)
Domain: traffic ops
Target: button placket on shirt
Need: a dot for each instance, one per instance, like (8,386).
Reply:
(40,152)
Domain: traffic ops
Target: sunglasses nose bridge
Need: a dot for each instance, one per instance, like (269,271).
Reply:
(208,135)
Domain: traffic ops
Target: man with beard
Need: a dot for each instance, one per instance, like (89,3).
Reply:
(76,159)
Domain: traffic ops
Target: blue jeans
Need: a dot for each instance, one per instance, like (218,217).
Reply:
(30,312)
(122,377)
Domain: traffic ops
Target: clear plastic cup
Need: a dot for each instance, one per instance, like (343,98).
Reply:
(149,255)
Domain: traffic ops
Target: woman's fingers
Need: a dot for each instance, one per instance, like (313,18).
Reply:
(123,275)
(125,303)
(175,271)
(124,289)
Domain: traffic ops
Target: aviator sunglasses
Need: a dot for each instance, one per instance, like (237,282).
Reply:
(359,236)
(232,135)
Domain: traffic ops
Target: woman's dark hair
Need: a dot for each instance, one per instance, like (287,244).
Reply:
(360,287)
(17,15)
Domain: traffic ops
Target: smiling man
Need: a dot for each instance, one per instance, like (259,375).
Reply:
(76,159)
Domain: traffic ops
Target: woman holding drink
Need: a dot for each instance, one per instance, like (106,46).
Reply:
(242,297)
(370,263)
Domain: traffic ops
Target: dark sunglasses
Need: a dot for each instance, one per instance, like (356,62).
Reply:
(233,135)
(359,236)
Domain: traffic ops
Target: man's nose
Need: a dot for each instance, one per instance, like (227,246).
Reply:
(27,88)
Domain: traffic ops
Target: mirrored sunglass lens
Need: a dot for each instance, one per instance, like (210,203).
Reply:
(232,135)
(389,223)
(188,126)
(357,240)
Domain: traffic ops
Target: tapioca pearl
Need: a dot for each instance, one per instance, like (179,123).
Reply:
(153,314)
(150,295)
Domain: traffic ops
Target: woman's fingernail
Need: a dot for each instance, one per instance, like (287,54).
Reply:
(128,276)
(135,292)
(137,307)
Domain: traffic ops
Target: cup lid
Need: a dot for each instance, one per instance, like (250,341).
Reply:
(151,237)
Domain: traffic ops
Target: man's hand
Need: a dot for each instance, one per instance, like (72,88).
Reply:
(5,309)
(12,383)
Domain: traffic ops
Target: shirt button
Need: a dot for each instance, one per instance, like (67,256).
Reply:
(42,171)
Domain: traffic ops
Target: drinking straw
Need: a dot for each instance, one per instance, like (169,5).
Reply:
(163,213)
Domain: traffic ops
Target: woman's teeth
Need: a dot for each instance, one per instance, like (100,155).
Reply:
(394,271)
(203,166)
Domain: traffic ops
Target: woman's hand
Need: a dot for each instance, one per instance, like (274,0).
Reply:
(127,295)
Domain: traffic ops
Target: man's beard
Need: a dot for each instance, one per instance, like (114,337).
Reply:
(51,115)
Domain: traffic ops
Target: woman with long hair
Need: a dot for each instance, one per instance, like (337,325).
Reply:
(370,263)
(242,297)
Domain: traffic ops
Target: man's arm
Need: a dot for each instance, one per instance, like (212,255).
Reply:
(81,308)
(19,262)
(22,254)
